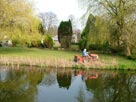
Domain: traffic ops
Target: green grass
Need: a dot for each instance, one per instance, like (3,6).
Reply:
(34,56)
(61,58)
(34,52)
(123,62)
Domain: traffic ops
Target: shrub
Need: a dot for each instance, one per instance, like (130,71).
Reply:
(15,39)
(65,33)
(26,40)
(132,57)
(82,44)
(48,41)
(35,40)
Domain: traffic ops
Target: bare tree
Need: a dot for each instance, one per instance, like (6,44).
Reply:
(75,27)
(49,21)
(73,21)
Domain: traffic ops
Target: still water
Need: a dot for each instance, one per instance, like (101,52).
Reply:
(66,85)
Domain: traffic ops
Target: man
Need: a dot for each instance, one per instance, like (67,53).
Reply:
(85,53)
(92,56)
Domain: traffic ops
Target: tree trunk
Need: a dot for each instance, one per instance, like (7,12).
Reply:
(128,51)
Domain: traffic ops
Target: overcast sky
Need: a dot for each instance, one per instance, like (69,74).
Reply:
(62,8)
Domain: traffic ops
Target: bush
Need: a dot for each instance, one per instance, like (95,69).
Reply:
(35,40)
(48,41)
(117,50)
(35,43)
(15,39)
(132,57)
(26,40)
(82,44)
(101,47)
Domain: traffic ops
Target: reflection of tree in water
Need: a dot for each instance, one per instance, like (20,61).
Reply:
(19,86)
(64,78)
(49,79)
(113,87)
(81,96)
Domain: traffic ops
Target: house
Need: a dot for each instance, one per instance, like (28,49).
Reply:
(55,38)
(74,38)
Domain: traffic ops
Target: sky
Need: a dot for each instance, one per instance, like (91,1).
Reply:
(62,8)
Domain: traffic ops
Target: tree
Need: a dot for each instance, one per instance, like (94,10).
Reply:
(112,87)
(64,80)
(73,21)
(85,33)
(75,27)
(121,15)
(95,33)
(65,33)
(16,14)
(18,22)
(49,21)
(48,41)
(41,29)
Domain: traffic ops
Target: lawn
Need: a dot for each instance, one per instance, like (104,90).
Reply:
(34,56)
(34,52)
(60,58)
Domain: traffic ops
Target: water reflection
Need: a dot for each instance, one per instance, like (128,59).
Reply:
(113,87)
(66,85)
(18,85)
(64,78)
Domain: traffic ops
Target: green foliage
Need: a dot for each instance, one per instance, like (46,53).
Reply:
(82,44)
(48,41)
(122,25)
(19,23)
(18,15)
(95,35)
(34,43)
(26,40)
(41,28)
(29,40)
(89,25)
(74,47)
(132,57)
(103,47)
(65,33)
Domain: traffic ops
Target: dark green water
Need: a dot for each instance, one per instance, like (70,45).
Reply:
(66,85)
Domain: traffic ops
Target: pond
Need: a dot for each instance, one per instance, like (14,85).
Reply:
(27,84)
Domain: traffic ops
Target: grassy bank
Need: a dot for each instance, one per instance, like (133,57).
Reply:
(55,58)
